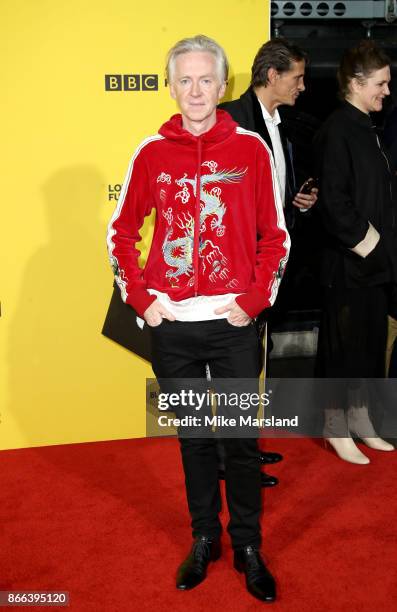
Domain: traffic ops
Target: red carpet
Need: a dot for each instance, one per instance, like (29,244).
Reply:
(108,523)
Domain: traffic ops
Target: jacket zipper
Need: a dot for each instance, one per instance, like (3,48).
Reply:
(388,167)
(196,239)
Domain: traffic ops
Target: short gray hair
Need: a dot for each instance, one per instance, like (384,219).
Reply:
(198,43)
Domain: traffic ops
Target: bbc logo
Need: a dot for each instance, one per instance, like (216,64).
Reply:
(131,82)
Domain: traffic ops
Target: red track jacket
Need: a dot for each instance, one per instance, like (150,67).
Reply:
(219,219)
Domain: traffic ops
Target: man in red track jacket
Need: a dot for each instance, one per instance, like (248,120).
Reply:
(216,260)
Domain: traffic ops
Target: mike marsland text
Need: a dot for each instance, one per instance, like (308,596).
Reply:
(222,421)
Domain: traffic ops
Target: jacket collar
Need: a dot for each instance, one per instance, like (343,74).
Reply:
(251,102)
(356,114)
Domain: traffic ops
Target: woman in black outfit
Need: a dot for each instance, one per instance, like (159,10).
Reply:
(358,206)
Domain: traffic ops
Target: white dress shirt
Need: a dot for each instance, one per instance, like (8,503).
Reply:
(278,153)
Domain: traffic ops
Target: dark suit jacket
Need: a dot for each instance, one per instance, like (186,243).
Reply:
(299,288)
(247,112)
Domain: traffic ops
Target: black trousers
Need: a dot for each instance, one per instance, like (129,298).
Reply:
(182,350)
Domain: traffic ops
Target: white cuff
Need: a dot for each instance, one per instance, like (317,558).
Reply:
(367,245)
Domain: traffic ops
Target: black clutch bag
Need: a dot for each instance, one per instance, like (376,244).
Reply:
(121,326)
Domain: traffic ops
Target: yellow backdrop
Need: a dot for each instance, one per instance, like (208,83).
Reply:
(67,140)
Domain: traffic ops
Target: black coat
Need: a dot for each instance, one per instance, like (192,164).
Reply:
(357,186)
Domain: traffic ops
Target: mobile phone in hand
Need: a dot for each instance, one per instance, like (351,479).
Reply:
(308,185)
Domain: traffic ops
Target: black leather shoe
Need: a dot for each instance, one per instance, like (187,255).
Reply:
(194,568)
(270,457)
(260,583)
(268,481)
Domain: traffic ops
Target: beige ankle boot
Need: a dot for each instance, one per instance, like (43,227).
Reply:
(361,426)
(336,433)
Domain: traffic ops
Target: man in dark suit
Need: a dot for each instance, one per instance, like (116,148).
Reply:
(277,78)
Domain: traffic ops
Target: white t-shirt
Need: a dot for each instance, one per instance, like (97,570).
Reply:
(199,308)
